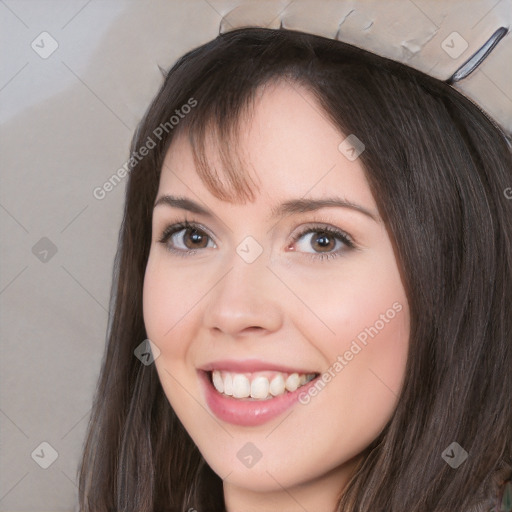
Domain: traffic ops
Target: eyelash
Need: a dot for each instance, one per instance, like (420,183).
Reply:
(172,229)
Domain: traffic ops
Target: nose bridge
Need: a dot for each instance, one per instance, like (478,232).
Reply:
(245,296)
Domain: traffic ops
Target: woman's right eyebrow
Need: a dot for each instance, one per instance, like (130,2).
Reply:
(308,205)
(184,204)
(289,207)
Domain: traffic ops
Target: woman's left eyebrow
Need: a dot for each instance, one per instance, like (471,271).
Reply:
(287,208)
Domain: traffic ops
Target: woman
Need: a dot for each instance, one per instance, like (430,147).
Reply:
(318,245)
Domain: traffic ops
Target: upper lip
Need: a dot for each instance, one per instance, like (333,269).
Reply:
(251,365)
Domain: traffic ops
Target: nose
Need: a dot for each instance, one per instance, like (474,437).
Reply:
(245,301)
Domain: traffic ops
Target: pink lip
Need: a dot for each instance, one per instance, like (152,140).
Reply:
(248,413)
(250,365)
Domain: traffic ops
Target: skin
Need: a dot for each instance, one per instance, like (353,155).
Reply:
(285,307)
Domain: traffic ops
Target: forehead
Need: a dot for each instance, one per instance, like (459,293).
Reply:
(287,145)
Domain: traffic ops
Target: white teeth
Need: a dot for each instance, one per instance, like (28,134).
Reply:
(228,384)
(292,382)
(260,387)
(257,385)
(277,385)
(241,386)
(218,382)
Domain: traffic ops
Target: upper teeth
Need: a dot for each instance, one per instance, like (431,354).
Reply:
(258,385)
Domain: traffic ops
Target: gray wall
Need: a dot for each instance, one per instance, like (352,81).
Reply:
(67,120)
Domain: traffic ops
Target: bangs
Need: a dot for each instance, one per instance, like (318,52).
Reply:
(216,130)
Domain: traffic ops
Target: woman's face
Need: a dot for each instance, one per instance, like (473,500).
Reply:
(260,297)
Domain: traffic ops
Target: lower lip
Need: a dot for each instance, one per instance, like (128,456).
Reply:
(248,413)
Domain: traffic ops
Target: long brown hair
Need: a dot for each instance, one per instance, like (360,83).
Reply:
(438,168)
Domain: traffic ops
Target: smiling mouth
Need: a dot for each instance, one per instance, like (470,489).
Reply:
(257,386)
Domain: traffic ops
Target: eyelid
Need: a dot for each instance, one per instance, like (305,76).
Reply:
(314,227)
(177,226)
(185,223)
(339,234)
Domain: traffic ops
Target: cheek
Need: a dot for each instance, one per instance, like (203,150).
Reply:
(374,357)
(369,315)
(164,304)
(165,310)
(156,300)
(355,300)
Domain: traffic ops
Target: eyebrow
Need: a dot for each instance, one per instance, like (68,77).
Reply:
(290,207)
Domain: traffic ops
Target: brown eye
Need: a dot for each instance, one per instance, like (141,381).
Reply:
(324,242)
(183,238)
(194,239)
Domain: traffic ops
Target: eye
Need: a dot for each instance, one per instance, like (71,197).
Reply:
(185,238)
(326,242)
